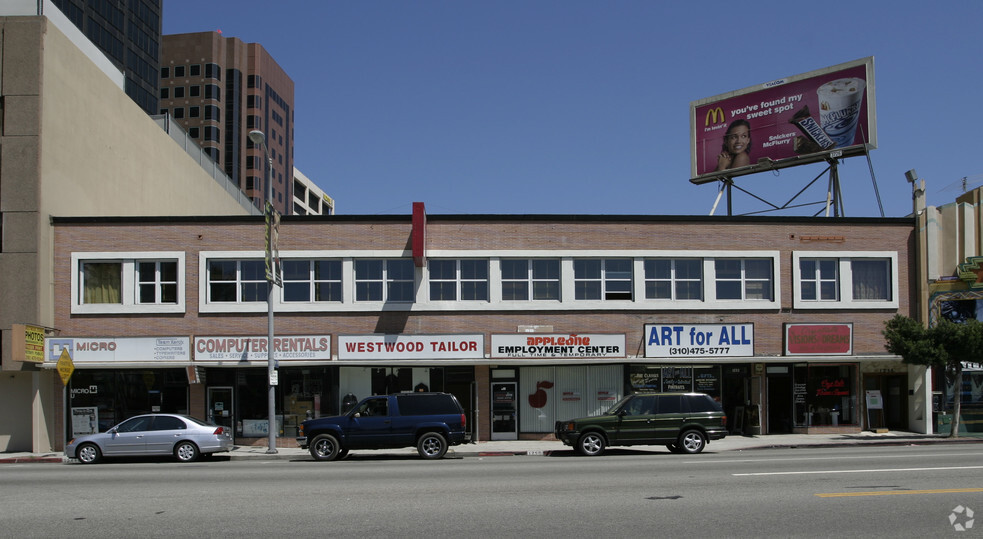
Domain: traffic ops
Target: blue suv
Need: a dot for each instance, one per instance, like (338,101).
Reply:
(431,422)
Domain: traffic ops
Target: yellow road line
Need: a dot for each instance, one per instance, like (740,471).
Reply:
(891,492)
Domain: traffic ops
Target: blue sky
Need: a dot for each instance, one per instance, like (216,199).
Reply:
(572,106)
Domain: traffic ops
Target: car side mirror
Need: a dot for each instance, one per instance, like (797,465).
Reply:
(112,431)
(356,415)
(622,412)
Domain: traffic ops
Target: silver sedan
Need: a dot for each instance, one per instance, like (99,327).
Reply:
(184,437)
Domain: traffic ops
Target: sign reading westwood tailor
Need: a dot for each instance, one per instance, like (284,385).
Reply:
(812,339)
(372,347)
(543,345)
(681,341)
(791,121)
(120,349)
(242,349)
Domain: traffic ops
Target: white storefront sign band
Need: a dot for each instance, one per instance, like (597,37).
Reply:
(120,349)
(544,345)
(699,340)
(465,346)
(286,348)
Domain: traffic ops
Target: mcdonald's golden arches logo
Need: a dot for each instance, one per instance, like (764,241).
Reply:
(715,116)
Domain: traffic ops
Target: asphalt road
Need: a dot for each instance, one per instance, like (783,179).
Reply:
(863,491)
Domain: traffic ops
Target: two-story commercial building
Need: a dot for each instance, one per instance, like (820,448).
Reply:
(528,319)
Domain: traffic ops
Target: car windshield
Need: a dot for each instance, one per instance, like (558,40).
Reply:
(617,406)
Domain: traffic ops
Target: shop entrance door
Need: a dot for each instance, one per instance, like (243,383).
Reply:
(220,409)
(779,399)
(503,424)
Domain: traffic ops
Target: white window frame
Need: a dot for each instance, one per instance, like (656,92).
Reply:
(604,280)
(530,280)
(744,280)
(385,281)
(459,281)
(311,281)
(845,271)
(673,280)
(129,290)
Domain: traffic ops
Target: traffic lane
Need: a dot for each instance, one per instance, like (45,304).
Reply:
(622,495)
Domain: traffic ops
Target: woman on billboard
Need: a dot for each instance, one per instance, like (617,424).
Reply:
(736,147)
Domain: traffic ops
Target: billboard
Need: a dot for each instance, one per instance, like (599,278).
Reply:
(786,122)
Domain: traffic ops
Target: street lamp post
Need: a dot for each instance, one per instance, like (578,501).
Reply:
(258,138)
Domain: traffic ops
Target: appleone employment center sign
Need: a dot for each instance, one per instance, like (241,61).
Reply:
(791,121)
(542,345)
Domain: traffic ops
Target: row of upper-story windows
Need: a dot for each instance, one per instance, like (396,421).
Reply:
(107,282)
(212,71)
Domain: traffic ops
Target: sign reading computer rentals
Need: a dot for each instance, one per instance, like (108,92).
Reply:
(791,121)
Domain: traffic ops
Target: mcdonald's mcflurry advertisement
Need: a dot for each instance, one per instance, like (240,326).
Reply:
(795,120)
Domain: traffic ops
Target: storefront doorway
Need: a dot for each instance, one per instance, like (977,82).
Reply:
(504,424)
(220,406)
(893,388)
(779,387)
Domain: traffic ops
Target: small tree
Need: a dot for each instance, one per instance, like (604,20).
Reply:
(946,345)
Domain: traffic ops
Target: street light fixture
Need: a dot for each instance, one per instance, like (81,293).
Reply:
(259,139)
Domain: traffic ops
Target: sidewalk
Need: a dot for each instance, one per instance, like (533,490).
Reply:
(546,448)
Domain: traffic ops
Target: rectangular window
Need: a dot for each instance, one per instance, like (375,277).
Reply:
(236,281)
(113,283)
(466,280)
(524,279)
(178,113)
(165,92)
(102,282)
(384,280)
(194,70)
(818,279)
(213,71)
(194,132)
(194,91)
(213,91)
(178,71)
(311,280)
(157,282)
(602,279)
(871,279)
(744,278)
(178,92)
(194,112)
(837,280)
(165,72)
(674,278)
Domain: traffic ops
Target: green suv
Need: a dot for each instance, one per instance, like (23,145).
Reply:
(684,422)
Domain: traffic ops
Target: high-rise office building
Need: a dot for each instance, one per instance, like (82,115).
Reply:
(128,33)
(219,89)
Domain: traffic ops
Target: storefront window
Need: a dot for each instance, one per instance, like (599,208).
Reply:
(676,378)
(99,399)
(825,395)
(550,394)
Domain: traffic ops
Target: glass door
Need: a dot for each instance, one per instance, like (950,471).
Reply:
(503,425)
(220,408)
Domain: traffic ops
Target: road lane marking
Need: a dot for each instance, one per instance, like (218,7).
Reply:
(807,472)
(891,492)
(878,457)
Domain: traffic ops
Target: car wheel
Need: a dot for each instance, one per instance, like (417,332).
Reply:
(692,441)
(186,452)
(324,447)
(590,444)
(431,445)
(89,454)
